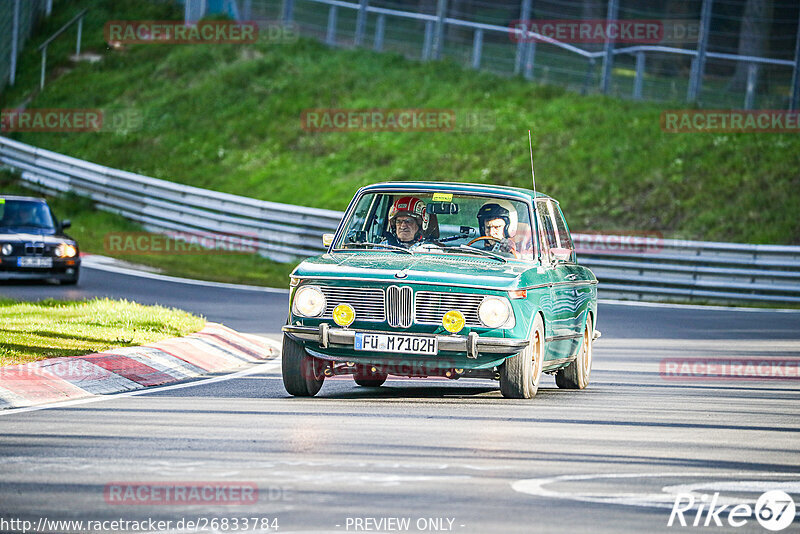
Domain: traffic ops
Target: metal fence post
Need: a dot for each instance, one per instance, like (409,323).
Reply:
(14,44)
(438,35)
(795,100)
(248,10)
(477,48)
(361,22)
(380,30)
(288,12)
(48,8)
(426,43)
(608,48)
(524,16)
(330,37)
(752,76)
(78,40)
(638,82)
(587,80)
(699,65)
(44,65)
(530,54)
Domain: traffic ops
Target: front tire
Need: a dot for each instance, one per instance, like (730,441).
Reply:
(576,374)
(520,374)
(302,373)
(73,280)
(369,379)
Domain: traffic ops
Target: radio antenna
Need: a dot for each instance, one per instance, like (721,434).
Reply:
(533,175)
(535,214)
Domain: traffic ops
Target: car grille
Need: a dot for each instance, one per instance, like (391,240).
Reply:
(34,249)
(367,303)
(399,306)
(431,306)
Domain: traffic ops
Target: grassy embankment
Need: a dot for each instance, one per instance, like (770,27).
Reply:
(37,330)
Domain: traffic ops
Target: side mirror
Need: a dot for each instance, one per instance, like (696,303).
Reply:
(66,223)
(561,254)
(327,239)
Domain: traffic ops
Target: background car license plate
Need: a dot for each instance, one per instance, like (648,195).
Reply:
(40,263)
(396,343)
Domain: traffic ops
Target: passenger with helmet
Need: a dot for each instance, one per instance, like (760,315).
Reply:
(494,222)
(408,222)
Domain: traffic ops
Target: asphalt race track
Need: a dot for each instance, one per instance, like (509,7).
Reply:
(446,456)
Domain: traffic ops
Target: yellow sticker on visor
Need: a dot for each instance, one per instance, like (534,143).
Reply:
(442,197)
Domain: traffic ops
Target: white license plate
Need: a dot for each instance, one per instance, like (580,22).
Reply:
(38,263)
(396,343)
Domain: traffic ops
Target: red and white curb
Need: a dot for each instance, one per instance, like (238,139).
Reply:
(214,349)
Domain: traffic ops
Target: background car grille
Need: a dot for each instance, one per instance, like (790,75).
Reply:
(399,306)
(431,306)
(34,249)
(368,303)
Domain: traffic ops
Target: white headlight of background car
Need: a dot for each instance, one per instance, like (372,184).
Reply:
(308,302)
(6,250)
(65,250)
(495,312)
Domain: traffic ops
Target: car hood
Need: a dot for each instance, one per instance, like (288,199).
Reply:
(393,267)
(46,236)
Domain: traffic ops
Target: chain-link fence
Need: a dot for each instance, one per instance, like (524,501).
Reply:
(717,53)
(18,18)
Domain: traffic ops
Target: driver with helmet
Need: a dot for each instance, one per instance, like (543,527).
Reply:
(408,222)
(494,222)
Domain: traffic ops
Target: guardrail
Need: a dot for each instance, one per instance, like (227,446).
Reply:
(683,270)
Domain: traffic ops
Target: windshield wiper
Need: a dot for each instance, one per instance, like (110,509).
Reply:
(384,245)
(478,251)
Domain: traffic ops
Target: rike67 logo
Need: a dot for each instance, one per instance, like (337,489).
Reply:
(774,510)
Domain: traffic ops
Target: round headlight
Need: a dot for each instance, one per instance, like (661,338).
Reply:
(65,250)
(7,249)
(344,315)
(453,321)
(309,302)
(494,312)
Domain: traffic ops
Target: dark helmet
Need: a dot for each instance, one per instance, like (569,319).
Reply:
(493,211)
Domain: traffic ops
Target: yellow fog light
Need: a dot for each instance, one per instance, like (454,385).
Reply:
(453,321)
(344,315)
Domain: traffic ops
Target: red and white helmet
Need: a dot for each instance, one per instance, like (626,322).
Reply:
(413,207)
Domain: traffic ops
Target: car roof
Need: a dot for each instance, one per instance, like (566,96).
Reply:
(458,187)
(17,197)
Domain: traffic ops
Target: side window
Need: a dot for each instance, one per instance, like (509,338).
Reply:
(546,228)
(562,229)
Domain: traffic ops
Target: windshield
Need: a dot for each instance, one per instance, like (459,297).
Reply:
(25,214)
(439,223)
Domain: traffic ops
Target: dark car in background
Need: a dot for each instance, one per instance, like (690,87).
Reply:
(33,244)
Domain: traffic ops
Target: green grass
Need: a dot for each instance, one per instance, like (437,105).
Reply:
(91,226)
(228,118)
(31,331)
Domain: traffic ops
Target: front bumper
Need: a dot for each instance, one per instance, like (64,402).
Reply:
(472,344)
(61,269)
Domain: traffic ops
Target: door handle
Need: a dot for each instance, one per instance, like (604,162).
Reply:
(572,277)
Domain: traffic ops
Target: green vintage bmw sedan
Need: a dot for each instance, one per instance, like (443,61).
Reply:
(447,280)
